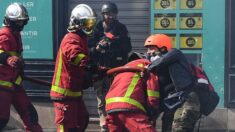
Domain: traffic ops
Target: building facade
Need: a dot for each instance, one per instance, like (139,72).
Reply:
(202,29)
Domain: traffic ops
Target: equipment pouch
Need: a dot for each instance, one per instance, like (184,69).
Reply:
(208,98)
(175,100)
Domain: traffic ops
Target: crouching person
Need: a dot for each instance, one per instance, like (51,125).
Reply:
(132,99)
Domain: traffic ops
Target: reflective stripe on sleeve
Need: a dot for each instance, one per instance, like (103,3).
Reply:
(5,83)
(12,53)
(18,80)
(152,93)
(78,59)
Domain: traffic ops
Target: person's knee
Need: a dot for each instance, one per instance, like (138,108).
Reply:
(3,123)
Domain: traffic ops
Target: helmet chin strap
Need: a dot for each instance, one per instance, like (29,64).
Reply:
(16,27)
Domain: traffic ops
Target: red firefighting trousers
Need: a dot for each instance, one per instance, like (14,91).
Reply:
(22,105)
(128,121)
(71,115)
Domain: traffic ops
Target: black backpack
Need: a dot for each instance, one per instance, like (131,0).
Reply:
(205,90)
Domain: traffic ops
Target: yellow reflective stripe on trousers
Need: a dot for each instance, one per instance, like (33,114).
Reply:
(59,69)
(61,127)
(5,83)
(78,59)
(65,92)
(125,100)
(132,85)
(152,93)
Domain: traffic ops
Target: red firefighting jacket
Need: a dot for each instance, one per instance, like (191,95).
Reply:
(11,43)
(129,91)
(69,69)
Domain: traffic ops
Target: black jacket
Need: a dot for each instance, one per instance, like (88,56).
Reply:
(174,68)
(117,52)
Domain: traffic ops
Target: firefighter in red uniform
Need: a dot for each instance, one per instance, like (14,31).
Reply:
(132,99)
(11,69)
(67,84)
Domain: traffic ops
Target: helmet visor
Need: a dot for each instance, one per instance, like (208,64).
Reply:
(88,25)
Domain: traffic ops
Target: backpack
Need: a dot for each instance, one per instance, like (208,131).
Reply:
(205,90)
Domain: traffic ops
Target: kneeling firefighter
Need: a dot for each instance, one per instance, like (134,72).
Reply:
(132,99)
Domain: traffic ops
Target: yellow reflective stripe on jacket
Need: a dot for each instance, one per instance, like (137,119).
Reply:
(59,69)
(125,100)
(65,92)
(132,85)
(5,83)
(152,93)
(12,53)
(78,59)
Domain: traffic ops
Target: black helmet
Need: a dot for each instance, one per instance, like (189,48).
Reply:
(109,7)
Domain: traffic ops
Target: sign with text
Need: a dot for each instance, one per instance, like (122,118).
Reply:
(191,4)
(165,4)
(190,41)
(165,21)
(37,35)
(191,21)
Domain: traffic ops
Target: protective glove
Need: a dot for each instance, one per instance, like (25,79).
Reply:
(15,62)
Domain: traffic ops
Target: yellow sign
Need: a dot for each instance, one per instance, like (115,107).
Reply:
(165,21)
(191,21)
(190,41)
(165,4)
(173,39)
(191,4)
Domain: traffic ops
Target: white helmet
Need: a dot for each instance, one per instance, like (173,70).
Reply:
(16,12)
(82,17)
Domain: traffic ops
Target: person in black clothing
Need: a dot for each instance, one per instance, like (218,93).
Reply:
(179,102)
(109,48)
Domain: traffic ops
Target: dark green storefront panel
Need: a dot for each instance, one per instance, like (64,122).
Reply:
(37,35)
